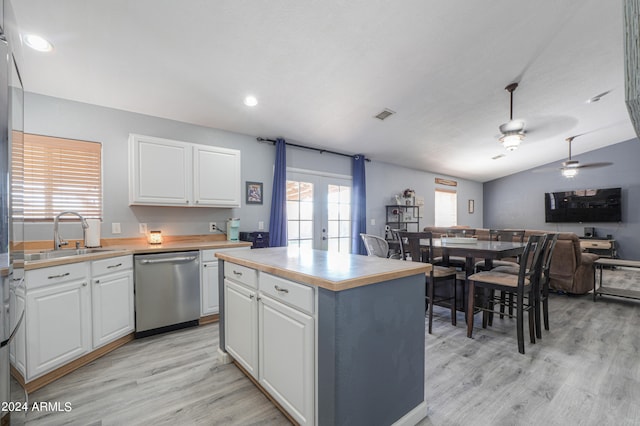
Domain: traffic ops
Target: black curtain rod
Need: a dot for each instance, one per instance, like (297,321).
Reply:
(321,151)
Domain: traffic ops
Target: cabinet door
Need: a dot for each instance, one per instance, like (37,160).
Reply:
(216,176)
(159,171)
(17,345)
(241,325)
(210,299)
(58,326)
(286,347)
(112,303)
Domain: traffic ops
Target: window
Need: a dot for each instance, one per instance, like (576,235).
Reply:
(446,213)
(58,175)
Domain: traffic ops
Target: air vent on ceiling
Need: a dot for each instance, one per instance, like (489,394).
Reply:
(497,157)
(384,114)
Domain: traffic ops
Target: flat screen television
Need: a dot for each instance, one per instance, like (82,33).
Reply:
(585,205)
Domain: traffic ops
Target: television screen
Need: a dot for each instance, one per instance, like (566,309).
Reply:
(586,205)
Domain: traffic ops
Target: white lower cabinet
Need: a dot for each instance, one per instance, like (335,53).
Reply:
(286,355)
(241,325)
(70,310)
(270,331)
(112,300)
(209,293)
(57,325)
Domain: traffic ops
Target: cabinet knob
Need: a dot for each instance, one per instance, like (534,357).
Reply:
(84,284)
(97,281)
(251,296)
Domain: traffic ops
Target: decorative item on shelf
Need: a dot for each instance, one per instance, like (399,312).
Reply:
(397,199)
(395,212)
(409,195)
(155,237)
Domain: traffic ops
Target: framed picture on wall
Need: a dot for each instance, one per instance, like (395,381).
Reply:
(254,193)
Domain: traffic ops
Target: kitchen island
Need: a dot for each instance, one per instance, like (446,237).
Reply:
(332,338)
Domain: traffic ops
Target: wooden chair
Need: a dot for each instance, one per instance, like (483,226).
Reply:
(523,286)
(410,244)
(542,284)
(375,246)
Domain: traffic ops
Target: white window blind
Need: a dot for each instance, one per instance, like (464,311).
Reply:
(446,202)
(59,175)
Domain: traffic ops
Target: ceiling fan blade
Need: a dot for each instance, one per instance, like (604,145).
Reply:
(595,165)
(546,169)
(512,126)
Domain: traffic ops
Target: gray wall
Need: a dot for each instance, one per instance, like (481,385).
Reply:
(517,201)
(57,117)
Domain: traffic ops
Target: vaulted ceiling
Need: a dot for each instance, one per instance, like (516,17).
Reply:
(321,71)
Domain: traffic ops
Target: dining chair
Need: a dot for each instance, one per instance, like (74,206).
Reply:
(411,245)
(516,236)
(523,286)
(542,295)
(375,246)
(513,235)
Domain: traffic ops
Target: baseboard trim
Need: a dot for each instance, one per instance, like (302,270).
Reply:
(209,319)
(414,416)
(269,397)
(59,372)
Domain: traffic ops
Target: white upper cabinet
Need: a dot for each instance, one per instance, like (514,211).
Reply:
(159,171)
(216,176)
(164,172)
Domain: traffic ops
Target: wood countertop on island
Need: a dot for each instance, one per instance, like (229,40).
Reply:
(332,271)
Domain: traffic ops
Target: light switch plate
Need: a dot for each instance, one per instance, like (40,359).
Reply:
(260,225)
(142,228)
(115,228)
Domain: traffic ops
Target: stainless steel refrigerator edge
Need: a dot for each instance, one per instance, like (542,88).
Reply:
(167,287)
(11,125)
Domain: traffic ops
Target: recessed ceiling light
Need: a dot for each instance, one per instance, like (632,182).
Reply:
(250,101)
(38,43)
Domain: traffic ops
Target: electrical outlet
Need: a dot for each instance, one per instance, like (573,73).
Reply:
(373,222)
(115,228)
(260,226)
(213,227)
(142,228)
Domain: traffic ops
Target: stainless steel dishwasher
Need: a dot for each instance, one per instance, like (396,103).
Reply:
(167,291)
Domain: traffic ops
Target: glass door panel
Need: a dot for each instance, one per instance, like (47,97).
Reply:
(319,211)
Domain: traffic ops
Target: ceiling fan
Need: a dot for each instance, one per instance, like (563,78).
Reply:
(570,167)
(513,130)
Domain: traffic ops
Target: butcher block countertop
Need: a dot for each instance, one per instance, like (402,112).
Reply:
(332,271)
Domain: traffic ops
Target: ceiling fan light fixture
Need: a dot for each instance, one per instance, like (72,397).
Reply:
(569,172)
(511,141)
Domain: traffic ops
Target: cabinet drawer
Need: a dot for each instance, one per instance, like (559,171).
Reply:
(241,274)
(111,265)
(297,295)
(56,274)
(604,245)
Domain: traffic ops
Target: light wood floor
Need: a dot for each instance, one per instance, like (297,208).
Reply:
(584,371)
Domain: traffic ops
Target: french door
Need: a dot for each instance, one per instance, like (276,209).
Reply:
(319,210)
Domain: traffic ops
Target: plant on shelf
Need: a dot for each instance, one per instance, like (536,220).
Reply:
(408,193)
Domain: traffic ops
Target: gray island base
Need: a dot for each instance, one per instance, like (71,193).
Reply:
(367,333)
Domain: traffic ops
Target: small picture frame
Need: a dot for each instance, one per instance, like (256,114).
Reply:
(472,206)
(254,193)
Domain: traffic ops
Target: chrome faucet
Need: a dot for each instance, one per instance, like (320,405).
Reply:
(57,240)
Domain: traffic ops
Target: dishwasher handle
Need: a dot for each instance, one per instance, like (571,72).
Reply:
(169,260)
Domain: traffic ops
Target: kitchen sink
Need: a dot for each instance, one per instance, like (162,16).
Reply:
(54,254)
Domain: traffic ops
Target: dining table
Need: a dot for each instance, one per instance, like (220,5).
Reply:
(477,249)
(488,250)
